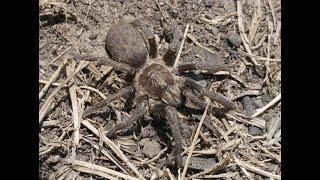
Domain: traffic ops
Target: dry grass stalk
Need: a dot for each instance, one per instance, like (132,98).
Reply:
(261,41)
(53,84)
(157,156)
(43,44)
(274,156)
(219,176)
(171,177)
(231,144)
(75,111)
(256,122)
(194,40)
(256,170)
(181,46)
(267,106)
(43,111)
(218,19)
(94,172)
(52,147)
(184,172)
(51,123)
(255,22)
(272,12)
(94,90)
(94,168)
(107,154)
(220,165)
(260,57)
(61,173)
(85,18)
(188,148)
(227,125)
(174,3)
(244,38)
(114,148)
(82,87)
(64,7)
(61,54)
(275,124)
(219,129)
(206,152)
(95,71)
(52,78)
(234,76)
(277,33)
(246,93)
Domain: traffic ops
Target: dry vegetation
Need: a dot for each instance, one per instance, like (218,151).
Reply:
(234,145)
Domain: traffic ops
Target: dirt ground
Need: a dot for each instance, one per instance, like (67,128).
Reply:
(230,145)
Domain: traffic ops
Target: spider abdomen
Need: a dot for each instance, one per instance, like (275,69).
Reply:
(124,43)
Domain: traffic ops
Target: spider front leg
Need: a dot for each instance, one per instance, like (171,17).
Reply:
(172,118)
(106,61)
(147,35)
(138,112)
(212,95)
(109,98)
(170,54)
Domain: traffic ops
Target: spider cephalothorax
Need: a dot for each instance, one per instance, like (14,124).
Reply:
(129,46)
(157,82)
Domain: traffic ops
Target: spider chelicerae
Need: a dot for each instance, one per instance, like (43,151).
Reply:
(156,85)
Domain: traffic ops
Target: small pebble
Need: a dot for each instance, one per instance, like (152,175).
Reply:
(151,148)
(234,39)
(185,130)
(93,36)
(199,163)
(143,141)
(214,30)
(254,131)
(208,3)
(266,97)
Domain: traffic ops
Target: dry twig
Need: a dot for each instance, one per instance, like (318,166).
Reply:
(244,38)
(181,46)
(223,163)
(267,106)
(194,40)
(185,168)
(94,168)
(218,19)
(255,22)
(56,58)
(75,112)
(255,169)
(52,78)
(113,147)
(43,111)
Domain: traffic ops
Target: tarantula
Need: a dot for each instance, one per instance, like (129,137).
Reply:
(156,86)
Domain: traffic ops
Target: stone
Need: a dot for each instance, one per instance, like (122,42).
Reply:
(151,148)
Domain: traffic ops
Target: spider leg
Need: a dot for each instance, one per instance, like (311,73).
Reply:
(138,112)
(212,95)
(196,100)
(148,35)
(105,60)
(173,122)
(110,98)
(170,54)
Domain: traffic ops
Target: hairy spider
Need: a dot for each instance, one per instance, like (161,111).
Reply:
(156,86)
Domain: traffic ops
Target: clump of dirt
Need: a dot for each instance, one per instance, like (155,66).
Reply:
(237,145)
